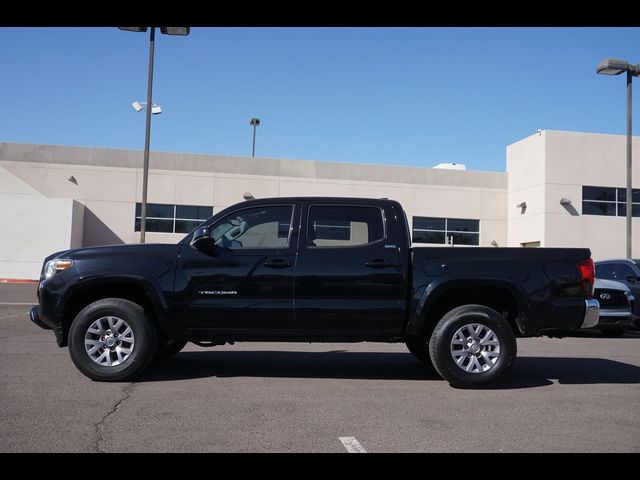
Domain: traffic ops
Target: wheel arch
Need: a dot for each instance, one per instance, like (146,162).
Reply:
(134,289)
(500,295)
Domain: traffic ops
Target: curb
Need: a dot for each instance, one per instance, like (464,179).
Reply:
(16,280)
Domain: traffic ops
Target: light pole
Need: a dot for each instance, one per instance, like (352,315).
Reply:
(254,123)
(613,66)
(145,178)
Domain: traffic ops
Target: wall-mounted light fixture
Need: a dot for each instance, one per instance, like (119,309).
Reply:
(565,201)
(73,180)
(248,196)
(494,243)
(522,206)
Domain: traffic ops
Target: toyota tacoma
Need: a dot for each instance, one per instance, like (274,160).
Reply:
(311,269)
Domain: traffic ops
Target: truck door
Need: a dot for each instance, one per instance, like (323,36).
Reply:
(348,274)
(246,280)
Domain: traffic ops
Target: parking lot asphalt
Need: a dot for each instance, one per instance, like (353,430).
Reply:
(577,394)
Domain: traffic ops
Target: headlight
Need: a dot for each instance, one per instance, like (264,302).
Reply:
(56,266)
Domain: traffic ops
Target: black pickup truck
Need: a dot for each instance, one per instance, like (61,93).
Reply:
(311,269)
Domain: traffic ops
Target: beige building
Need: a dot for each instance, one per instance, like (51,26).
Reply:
(58,197)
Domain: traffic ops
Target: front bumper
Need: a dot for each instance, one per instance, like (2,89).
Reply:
(33,315)
(591,313)
(61,339)
(615,318)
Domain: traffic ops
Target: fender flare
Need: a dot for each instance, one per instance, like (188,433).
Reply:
(436,289)
(152,289)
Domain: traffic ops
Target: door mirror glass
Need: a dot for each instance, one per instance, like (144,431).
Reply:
(201,239)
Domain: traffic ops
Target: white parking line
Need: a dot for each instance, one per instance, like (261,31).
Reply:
(352,445)
(12,316)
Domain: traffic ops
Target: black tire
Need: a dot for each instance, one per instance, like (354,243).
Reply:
(169,348)
(420,350)
(614,332)
(142,351)
(443,335)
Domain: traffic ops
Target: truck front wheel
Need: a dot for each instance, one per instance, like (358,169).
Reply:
(112,340)
(420,350)
(169,348)
(473,346)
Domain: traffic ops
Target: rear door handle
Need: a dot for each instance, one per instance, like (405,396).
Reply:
(378,263)
(277,263)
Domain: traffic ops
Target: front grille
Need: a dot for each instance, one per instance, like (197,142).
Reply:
(617,299)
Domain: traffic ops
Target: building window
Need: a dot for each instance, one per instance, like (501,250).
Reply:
(609,201)
(172,218)
(445,231)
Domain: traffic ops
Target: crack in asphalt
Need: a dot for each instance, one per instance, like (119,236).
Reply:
(127,391)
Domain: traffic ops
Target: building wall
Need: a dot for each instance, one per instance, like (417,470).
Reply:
(551,165)
(33,226)
(575,159)
(108,183)
(36,192)
(526,183)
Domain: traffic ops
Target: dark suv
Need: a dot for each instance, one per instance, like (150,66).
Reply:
(625,271)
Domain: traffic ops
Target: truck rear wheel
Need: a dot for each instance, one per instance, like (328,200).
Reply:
(473,346)
(111,340)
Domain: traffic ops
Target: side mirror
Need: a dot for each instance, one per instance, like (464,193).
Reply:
(631,278)
(201,239)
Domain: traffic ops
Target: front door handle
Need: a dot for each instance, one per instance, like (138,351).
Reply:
(277,263)
(378,263)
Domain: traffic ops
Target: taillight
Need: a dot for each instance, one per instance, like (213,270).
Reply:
(587,276)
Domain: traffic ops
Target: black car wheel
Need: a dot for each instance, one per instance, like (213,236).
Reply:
(112,340)
(420,350)
(473,346)
(168,349)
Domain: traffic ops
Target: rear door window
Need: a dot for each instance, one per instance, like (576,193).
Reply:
(344,226)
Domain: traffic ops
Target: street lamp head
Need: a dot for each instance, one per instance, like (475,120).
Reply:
(151,109)
(182,31)
(134,29)
(254,122)
(138,106)
(612,66)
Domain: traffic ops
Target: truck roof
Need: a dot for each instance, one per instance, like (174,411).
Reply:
(321,200)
